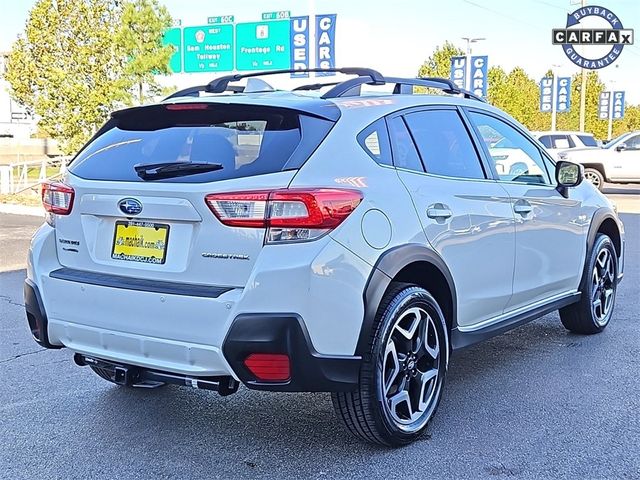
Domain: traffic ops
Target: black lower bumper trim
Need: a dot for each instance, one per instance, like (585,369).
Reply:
(139,284)
(286,334)
(134,376)
(36,315)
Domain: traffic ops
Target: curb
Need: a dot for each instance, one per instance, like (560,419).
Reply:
(21,210)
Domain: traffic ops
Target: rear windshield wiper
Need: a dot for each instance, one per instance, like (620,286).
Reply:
(159,171)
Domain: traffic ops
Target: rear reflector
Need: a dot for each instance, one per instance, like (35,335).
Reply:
(289,214)
(273,367)
(57,198)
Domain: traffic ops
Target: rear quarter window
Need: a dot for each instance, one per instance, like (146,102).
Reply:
(245,140)
(375,141)
(588,140)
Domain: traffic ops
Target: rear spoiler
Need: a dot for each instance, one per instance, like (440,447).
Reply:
(314,107)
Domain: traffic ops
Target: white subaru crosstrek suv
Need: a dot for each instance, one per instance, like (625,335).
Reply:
(306,241)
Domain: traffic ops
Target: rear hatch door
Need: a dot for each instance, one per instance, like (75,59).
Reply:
(139,186)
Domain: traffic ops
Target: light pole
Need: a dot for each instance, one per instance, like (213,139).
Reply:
(467,73)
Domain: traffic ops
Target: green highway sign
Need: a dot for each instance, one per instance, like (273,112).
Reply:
(208,48)
(221,19)
(281,15)
(263,45)
(173,37)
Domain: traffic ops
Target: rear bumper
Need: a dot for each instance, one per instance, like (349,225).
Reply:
(248,333)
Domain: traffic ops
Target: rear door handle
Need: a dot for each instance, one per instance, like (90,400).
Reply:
(522,207)
(438,211)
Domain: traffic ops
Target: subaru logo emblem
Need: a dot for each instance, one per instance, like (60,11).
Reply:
(130,206)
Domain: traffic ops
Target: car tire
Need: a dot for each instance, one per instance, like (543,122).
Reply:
(595,177)
(592,313)
(402,372)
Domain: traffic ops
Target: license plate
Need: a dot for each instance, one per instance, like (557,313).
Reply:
(140,242)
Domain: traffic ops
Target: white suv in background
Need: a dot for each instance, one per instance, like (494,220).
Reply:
(617,162)
(558,141)
(298,242)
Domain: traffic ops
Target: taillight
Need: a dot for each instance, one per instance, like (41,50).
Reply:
(57,198)
(289,215)
(272,367)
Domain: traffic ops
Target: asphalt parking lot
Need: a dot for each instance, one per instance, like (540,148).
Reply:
(537,402)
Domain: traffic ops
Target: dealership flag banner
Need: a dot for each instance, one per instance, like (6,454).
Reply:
(546,94)
(299,46)
(479,66)
(563,94)
(604,105)
(618,105)
(458,73)
(325,43)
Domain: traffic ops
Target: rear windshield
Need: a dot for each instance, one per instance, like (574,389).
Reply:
(244,140)
(588,140)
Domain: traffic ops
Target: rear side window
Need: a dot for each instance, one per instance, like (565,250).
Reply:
(562,142)
(375,141)
(545,140)
(444,144)
(557,141)
(245,140)
(588,140)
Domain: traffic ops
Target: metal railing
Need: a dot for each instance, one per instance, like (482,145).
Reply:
(18,177)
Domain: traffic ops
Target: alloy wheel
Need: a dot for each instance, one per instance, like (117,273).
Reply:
(411,376)
(603,286)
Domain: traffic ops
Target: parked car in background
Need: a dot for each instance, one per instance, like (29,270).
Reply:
(558,141)
(617,162)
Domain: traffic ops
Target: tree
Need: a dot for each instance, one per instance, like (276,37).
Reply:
(71,66)
(140,36)
(439,63)
(517,94)
(66,69)
(629,123)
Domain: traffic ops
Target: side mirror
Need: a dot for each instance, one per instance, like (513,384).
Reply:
(568,174)
(621,147)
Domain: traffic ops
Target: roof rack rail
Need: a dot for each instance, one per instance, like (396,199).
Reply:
(434,82)
(221,84)
(348,88)
(314,86)
(352,87)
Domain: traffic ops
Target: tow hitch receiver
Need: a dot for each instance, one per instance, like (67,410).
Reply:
(133,376)
(122,376)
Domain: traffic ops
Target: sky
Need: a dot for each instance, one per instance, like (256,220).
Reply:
(396,36)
